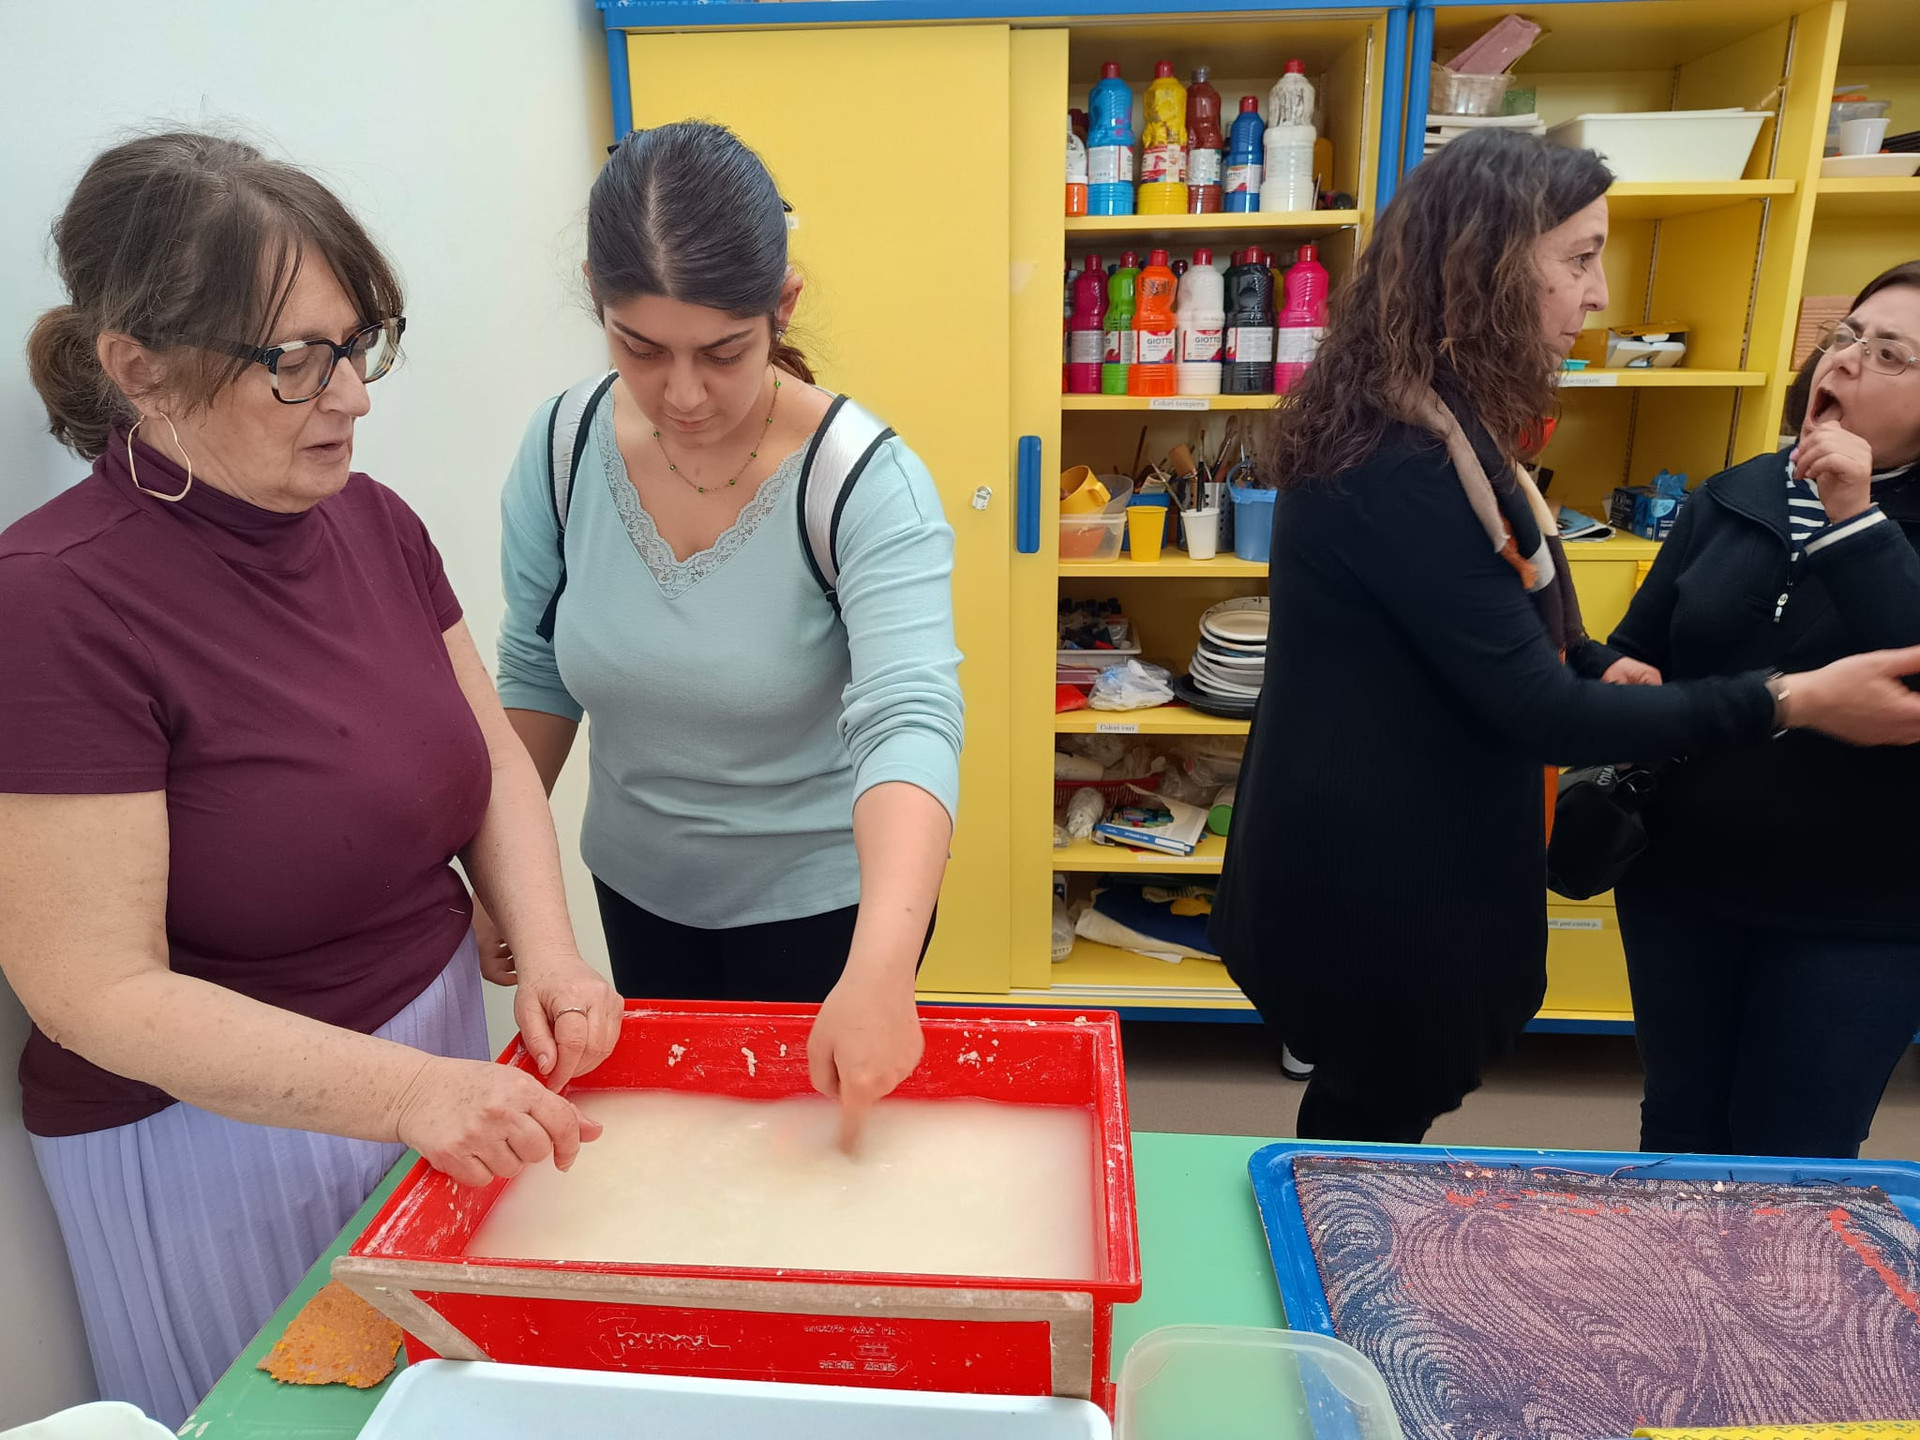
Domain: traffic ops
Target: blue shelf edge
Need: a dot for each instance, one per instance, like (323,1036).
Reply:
(693,14)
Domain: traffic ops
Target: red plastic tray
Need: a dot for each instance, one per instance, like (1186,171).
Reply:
(1008,1336)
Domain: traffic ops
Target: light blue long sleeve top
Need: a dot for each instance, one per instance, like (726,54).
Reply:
(733,718)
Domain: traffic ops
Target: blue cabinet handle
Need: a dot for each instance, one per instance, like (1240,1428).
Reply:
(1027,497)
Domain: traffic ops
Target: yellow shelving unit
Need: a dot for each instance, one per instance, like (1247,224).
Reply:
(1675,379)
(1169,565)
(1210,229)
(1165,597)
(1090,855)
(1100,975)
(1167,404)
(1666,200)
(1173,719)
(1884,199)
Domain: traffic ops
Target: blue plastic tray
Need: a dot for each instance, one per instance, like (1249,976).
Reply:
(1294,1265)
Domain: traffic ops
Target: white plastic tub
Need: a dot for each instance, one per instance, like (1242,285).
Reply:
(1667,145)
(1226,1382)
(479,1400)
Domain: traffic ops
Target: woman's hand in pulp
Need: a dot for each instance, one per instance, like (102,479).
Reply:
(480,1122)
(865,1041)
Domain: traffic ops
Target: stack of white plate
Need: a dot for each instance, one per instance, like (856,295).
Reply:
(1231,656)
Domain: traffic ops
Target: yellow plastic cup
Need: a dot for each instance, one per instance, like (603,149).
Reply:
(1146,528)
(1081,492)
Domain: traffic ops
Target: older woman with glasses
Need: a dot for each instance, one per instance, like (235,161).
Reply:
(243,732)
(1773,925)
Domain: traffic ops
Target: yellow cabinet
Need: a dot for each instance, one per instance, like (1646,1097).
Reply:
(900,228)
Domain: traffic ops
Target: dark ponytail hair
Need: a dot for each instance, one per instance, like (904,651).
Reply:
(1801,391)
(688,212)
(185,241)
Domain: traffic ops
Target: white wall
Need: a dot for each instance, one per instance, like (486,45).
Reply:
(466,139)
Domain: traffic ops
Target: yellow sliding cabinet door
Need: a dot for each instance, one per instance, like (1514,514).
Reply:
(891,145)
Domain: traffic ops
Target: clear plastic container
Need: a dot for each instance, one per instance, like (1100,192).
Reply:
(1451,93)
(1223,1382)
(1091,537)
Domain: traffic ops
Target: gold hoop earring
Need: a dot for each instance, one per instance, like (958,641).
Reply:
(134,472)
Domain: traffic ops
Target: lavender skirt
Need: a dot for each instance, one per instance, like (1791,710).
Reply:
(186,1230)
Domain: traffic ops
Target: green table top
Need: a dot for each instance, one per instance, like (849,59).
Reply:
(1202,1253)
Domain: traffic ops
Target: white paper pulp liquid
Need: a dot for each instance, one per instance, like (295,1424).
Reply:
(939,1187)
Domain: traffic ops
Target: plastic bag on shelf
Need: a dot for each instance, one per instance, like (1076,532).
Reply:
(1136,761)
(1075,767)
(1062,930)
(1177,784)
(1084,811)
(1135,685)
(1107,749)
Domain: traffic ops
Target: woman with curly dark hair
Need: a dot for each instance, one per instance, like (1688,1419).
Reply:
(1384,894)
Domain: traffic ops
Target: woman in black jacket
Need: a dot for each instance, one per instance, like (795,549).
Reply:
(1384,891)
(1773,927)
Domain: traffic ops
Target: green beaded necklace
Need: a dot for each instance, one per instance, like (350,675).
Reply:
(752,455)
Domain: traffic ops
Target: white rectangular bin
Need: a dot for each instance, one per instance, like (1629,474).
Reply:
(480,1400)
(1667,145)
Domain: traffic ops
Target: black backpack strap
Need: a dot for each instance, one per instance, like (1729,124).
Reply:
(569,425)
(846,440)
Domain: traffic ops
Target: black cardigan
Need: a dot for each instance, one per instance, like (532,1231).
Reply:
(1386,868)
(1804,833)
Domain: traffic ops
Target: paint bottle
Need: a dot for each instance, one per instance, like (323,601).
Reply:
(1244,148)
(1248,362)
(1202,318)
(1117,353)
(1206,146)
(1303,320)
(1086,330)
(1154,330)
(1163,145)
(1066,322)
(1076,172)
(1110,145)
(1287,184)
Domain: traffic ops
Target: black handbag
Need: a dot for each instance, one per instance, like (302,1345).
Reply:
(1599,828)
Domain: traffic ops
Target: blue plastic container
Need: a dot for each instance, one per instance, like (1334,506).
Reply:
(1304,1296)
(1110,140)
(1252,523)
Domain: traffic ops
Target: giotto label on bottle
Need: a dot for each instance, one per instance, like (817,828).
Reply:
(1200,346)
(1156,347)
(1162,164)
(1250,345)
(1110,165)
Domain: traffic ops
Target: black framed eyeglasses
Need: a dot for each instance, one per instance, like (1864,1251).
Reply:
(1889,357)
(301,369)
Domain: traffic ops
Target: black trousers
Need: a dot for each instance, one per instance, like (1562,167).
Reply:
(1761,1041)
(792,961)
